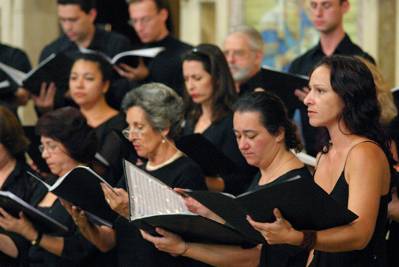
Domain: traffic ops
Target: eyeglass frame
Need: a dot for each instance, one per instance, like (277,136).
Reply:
(49,148)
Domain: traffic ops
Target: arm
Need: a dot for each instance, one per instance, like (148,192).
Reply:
(368,178)
(24,227)
(7,246)
(216,255)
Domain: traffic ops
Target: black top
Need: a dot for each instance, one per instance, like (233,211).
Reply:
(166,67)
(23,186)
(259,80)
(111,147)
(18,59)
(374,255)
(283,255)
(132,249)
(221,134)
(303,65)
(109,43)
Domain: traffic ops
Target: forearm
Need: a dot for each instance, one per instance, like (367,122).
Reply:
(100,236)
(7,246)
(53,244)
(222,255)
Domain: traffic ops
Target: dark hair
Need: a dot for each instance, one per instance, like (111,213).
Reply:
(85,5)
(103,64)
(353,82)
(69,127)
(273,115)
(162,105)
(224,94)
(11,133)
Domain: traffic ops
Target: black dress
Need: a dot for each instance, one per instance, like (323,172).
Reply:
(374,255)
(283,255)
(132,249)
(221,134)
(23,186)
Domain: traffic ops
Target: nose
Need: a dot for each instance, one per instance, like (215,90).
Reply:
(189,84)
(243,144)
(45,154)
(318,11)
(308,100)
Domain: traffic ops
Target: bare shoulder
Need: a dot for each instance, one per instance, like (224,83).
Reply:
(367,152)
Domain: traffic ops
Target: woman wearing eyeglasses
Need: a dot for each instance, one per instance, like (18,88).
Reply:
(13,178)
(89,80)
(209,97)
(154,113)
(67,141)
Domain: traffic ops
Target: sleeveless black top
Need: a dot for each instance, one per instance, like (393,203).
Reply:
(374,254)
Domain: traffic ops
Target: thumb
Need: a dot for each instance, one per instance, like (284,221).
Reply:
(277,214)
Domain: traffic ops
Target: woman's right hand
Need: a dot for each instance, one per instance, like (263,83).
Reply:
(117,199)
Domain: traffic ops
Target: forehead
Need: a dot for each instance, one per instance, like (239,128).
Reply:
(321,75)
(236,41)
(142,8)
(193,65)
(246,120)
(136,114)
(67,11)
(86,65)
(324,1)
(46,140)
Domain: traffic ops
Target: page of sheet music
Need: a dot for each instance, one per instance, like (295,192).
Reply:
(148,196)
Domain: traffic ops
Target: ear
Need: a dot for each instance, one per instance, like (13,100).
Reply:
(279,137)
(106,86)
(92,14)
(164,14)
(165,132)
(345,6)
(258,58)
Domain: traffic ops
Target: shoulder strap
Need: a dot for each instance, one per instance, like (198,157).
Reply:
(350,150)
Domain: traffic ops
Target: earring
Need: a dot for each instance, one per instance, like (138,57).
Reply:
(163,140)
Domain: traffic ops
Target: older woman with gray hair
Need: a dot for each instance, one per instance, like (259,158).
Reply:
(153,113)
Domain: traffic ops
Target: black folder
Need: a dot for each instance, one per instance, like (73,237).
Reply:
(81,187)
(14,205)
(55,68)
(302,202)
(212,161)
(278,81)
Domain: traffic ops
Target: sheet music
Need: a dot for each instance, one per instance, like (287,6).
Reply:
(148,196)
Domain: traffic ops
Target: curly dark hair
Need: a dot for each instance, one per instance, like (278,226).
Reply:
(353,82)
(224,94)
(273,115)
(69,127)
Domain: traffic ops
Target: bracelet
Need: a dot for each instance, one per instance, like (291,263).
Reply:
(38,239)
(309,240)
(185,249)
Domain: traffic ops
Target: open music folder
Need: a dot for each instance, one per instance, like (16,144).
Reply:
(301,201)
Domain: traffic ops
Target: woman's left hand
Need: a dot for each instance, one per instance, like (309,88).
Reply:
(19,225)
(167,242)
(278,232)
(117,199)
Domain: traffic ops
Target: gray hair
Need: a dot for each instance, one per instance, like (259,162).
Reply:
(254,37)
(162,105)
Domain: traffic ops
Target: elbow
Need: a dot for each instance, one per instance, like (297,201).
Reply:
(361,243)
(105,247)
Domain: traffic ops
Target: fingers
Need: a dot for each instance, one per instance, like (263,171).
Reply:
(301,93)
(278,215)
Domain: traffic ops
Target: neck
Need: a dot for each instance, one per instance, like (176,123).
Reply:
(206,109)
(96,112)
(330,41)
(162,35)
(163,153)
(88,38)
(339,136)
(68,166)
(277,166)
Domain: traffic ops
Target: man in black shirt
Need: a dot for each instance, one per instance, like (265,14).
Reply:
(327,17)
(149,19)
(10,95)
(77,22)
(243,49)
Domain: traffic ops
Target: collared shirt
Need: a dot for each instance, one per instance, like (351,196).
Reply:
(303,65)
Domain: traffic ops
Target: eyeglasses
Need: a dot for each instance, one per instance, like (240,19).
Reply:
(49,147)
(135,129)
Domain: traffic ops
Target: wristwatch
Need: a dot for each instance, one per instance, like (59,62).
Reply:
(36,241)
